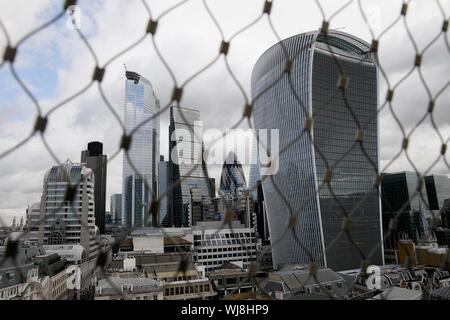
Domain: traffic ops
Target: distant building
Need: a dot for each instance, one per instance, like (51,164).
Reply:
(231,279)
(264,256)
(95,160)
(141,161)
(438,190)
(186,164)
(398,192)
(216,244)
(232,176)
(163,185)
(129,289)
(61,222)
(261,223)
(34,275)
(286,284)
(116,208)
(189,284)
(445,214)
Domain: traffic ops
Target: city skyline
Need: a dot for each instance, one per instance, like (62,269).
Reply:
(345,197)
(17,108)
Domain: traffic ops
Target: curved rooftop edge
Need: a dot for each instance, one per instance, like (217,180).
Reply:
(352,44)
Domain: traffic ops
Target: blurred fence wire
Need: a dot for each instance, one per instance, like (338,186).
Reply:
(9,60)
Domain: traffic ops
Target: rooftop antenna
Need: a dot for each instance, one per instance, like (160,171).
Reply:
(125,66)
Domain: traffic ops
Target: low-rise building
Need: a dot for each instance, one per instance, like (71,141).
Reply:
(297,280)
(231,279)
(116,288)
(216,244)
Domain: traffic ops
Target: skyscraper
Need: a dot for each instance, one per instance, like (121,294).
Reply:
(97,162)
(438,190)
(254,175)
(232,176)
(186,164)
(63,222)
(163,185)
(315,74)
(140,163)
(116,208)
(399,198)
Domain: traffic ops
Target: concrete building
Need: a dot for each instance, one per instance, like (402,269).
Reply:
(216,243)
(129,289)
(189,284)
(34,275)
(231,279)
(63,222)
(287,284)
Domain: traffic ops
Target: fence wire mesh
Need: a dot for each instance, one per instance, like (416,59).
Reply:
(263,17)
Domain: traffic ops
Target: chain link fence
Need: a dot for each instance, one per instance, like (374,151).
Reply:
(179,89)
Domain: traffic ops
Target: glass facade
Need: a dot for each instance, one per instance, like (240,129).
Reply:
(163,185)
(254,175)
(232,176)
(315,75)
(140,177)
(186,164)
(398,198)
(438,190)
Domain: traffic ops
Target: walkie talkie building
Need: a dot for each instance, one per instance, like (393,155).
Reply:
(317,61)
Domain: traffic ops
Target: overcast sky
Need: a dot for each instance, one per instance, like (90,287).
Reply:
(55,63)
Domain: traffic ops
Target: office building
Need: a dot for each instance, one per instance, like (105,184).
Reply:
(316,75)
(399,198)
(254,175)
(438,190)
(215,244)
(163,185)
(114,288)
(141,161)
(186,164)
(116,208)
(64,222)
(231,279)
(95,160)
(232,176)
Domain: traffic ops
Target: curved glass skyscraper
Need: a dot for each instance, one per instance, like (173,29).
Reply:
(232,176)
(140,104)
(315,77)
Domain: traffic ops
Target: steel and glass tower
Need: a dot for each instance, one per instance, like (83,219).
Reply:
(186,164)
(140,167)
(232,176)
(316,64)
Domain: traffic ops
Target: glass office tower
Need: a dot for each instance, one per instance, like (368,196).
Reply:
(232,176)
(438,190)
(315,76)
(140,169)
(186,164)
(400,198)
